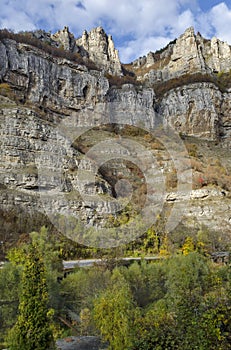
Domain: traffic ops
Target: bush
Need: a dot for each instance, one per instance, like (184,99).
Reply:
(6,90)
(163,87)
(119,81)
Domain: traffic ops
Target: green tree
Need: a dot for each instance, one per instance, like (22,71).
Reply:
(146,281)
(32,330)
(9,297)
(216,317)
(50,250)
(114,313)
(156,328)
(187,281)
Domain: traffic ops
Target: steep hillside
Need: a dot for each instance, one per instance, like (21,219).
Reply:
(87,142)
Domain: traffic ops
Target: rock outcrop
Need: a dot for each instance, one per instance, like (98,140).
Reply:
(95,45)
(100,49)
(194,110)
(65,39)
(190,53)
(80,343)
(217,55)
(48,81)
(187,55)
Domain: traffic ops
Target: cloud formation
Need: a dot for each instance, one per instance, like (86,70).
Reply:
(220,17)
(137,26)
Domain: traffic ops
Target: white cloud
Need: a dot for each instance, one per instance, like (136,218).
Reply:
(13,19)
(156,34)
(136,26)
(184,20)
(141,47)
(220,17)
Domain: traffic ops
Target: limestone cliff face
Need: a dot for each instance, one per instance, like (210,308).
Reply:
(187,54)
(49,82)
(95,45)
(66,39)
(38,91)
(217,55)
(190,53)
(199,110)
(100,48)
(194,104)
(194,110)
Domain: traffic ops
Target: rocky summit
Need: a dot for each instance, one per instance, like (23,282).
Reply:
(61,97)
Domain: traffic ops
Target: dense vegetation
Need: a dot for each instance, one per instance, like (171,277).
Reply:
(181,301)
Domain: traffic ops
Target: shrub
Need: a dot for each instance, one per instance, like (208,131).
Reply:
(196,165)
(5,90)
(192,149)
(163,87)
(118,81)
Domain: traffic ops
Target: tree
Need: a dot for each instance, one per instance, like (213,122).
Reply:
(156,328)
(187,282)
(188,246)
(32,330)
(152,241)
(114,312)
(48,247)
(216,317)
(9,297)
(80,288)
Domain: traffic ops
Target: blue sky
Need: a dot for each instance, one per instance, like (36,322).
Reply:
(137,26)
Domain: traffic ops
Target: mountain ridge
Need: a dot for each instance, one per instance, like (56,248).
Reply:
(43,85)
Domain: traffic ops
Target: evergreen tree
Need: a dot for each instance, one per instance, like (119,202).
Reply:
(32,329)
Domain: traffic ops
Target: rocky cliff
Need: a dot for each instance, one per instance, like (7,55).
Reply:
(100,48)
(95,45)
(64,98)
(190,53)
